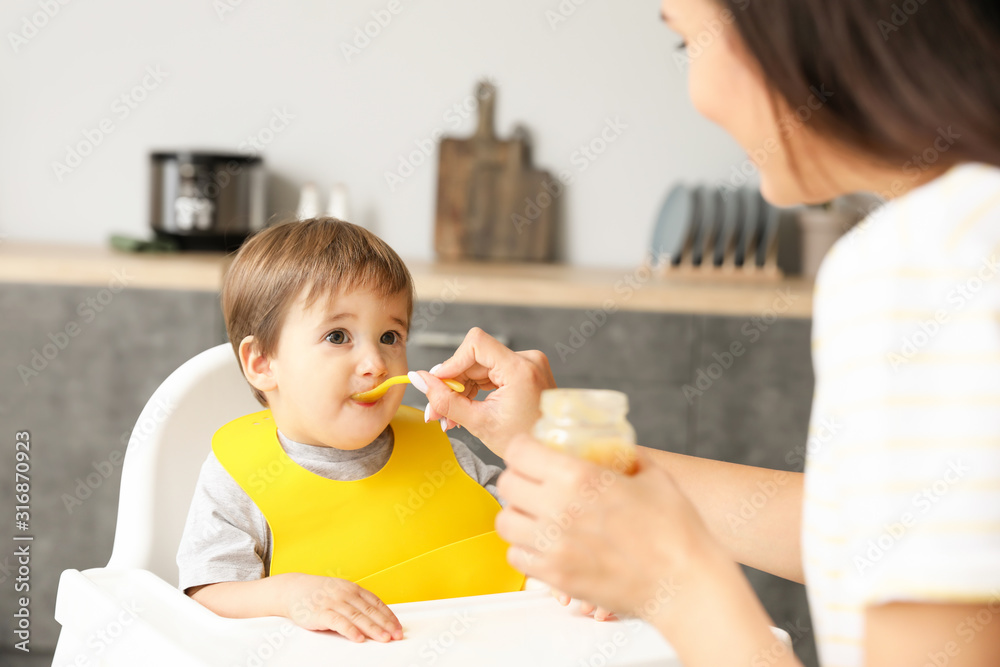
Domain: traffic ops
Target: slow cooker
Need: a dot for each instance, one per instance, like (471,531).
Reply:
(204,200)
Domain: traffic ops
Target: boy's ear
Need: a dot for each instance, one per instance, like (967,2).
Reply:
(256,367)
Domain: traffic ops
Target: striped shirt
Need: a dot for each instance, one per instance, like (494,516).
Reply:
(902,485)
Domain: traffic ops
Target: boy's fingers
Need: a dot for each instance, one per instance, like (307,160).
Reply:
(335,621)
(364,618)
(380,611)
(356,623)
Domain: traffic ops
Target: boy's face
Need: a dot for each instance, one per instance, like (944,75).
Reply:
(339,346)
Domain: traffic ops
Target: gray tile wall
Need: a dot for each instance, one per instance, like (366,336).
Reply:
(80,410)
(757,413)
(81,407)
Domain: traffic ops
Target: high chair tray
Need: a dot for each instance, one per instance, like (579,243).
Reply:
(129,617)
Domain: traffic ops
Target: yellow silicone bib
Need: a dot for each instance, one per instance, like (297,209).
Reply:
(418,529)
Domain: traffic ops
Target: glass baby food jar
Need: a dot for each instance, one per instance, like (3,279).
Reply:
(589,423)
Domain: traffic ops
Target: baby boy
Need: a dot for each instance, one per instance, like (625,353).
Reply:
(322,508)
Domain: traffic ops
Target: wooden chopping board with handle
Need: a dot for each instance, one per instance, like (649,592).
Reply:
(491,203)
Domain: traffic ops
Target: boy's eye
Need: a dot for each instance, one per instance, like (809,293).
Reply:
(338,337)
(390,337)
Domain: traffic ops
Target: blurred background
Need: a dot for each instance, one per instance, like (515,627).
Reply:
(351,111)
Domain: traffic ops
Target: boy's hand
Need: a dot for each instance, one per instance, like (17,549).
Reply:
(600,613)
(327,603)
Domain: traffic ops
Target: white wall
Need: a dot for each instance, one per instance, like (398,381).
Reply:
(352,120)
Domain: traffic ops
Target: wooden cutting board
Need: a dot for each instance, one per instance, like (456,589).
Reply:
(491,203)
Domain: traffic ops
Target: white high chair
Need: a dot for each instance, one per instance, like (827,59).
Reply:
(131,613)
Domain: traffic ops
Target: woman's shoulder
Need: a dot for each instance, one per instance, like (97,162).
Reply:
(952,221)
(950,224)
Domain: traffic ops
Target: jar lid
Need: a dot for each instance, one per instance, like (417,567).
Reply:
(590,405)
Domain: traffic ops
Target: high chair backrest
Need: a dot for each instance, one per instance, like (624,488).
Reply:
(169,443)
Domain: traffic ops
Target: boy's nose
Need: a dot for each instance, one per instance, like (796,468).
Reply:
(372,363)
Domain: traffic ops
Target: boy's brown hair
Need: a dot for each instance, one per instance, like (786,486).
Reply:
(323,255)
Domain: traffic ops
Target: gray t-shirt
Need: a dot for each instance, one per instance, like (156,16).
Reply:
(226,537)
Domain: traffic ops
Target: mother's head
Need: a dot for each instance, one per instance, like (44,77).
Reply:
(834,96)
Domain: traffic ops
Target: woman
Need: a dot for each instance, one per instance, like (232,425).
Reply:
(895,525)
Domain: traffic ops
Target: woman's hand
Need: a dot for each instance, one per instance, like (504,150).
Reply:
(327,603)
(483,364)
(628,543)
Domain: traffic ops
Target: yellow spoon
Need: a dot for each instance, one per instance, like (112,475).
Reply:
(378,392)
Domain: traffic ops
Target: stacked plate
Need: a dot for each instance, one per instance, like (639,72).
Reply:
(708,226)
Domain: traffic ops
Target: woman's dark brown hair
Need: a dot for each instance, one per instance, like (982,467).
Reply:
(901,72)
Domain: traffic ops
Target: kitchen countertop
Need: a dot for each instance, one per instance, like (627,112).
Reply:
(546,285)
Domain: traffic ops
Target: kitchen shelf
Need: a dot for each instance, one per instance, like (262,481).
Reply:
(545,285)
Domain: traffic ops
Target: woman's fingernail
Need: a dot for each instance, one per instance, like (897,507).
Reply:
(427,413)
(417,382)
(444,424)
(434,370)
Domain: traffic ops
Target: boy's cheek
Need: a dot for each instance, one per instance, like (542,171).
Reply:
(392,406)
(399,366)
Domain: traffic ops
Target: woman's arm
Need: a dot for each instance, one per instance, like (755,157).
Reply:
(953,634)
(719,620)
(754,513)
